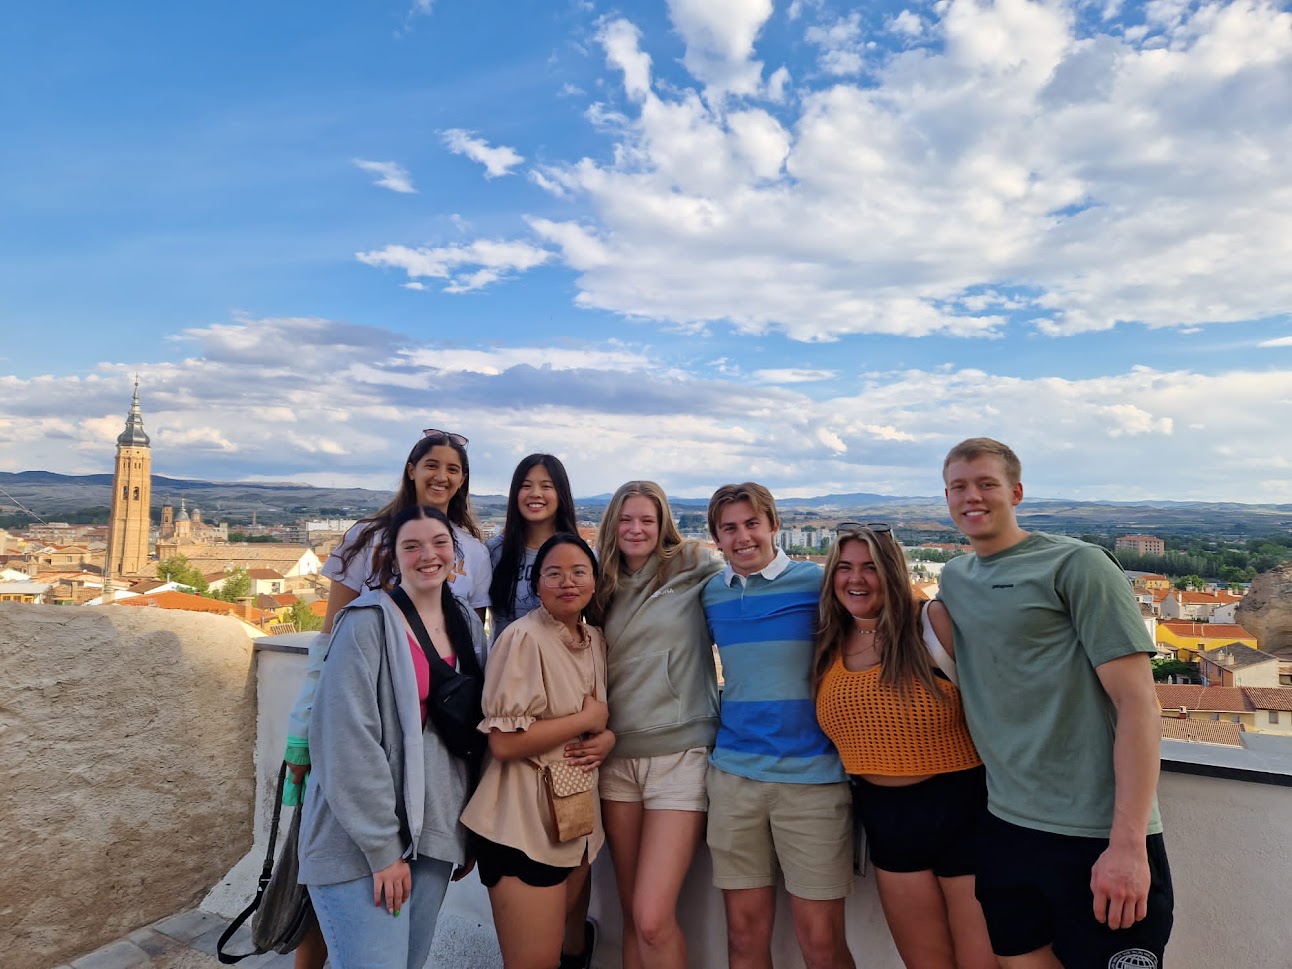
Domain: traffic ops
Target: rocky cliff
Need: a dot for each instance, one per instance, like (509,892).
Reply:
(1266,611)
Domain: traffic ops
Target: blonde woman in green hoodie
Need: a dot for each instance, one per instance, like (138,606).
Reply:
(662,689)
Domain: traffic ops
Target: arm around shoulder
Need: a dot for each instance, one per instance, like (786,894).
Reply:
(943,628)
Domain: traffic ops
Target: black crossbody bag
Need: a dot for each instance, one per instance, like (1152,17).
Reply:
(453,705)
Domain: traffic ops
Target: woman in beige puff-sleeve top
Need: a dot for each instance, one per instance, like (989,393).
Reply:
(544,701)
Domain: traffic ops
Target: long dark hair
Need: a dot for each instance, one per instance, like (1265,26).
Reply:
(506,574)
(591,612)
(456,623)
(460,511)
(903,658)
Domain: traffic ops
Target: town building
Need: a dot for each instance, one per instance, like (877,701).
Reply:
(129,520)
(1140,544)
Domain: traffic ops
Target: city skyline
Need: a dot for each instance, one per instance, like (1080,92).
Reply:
(688,241)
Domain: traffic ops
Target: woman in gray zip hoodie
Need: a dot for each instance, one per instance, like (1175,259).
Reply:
(380,834)
(662,690)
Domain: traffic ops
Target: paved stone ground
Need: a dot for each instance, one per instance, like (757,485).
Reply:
(188,940)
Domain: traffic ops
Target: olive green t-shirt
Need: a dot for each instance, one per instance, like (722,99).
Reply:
(1031,624)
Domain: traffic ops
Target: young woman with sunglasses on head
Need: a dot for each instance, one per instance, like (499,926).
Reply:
(884,682)
(545,688)
(663,689)
(436,474)
(380,834)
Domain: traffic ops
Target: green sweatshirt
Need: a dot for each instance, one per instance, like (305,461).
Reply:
(662,686)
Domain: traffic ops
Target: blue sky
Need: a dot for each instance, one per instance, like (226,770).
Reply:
(695,240)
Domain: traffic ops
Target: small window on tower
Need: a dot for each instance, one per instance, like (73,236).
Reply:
(125,492)
(136,494)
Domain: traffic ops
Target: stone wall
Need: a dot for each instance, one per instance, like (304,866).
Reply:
(1266,611)
(126,780)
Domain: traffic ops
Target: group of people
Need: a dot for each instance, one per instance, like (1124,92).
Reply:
(996,749)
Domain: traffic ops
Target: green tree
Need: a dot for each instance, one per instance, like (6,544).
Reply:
(1190,583)
(305,620)
(177,569)
(236,585)
(1162,668)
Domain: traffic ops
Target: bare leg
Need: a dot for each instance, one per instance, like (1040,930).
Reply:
(1040,959)
(579,887)
(750,914)
(917,918)
(668,843)
(312,952)
(968,927)
(529,922)
(623,823)
(818,924)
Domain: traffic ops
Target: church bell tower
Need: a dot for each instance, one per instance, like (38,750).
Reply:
(131,497)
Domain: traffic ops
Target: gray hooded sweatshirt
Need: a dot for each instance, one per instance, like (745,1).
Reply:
(381,787)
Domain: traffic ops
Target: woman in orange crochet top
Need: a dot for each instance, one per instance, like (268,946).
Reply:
(884,680)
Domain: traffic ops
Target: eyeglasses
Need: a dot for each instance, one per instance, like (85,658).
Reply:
(555,578)
(457,439)
(848,528)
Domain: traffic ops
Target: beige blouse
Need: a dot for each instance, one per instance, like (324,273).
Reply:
(536,671)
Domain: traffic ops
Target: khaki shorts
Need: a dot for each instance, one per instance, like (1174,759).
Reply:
(804,830)
(669,782)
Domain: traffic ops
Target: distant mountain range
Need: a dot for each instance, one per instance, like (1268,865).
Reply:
(56,496)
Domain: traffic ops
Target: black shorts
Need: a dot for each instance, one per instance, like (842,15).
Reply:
(1034,887)
(928,826)
(497,860)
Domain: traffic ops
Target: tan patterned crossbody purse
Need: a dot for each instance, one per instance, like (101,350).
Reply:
(570,790)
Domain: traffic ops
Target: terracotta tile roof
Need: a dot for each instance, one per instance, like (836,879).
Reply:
(1197,598)
(264,574)
(1203,731)
(285,598)
(1206,630)
(1212,699)
(1269,697)
(194,603)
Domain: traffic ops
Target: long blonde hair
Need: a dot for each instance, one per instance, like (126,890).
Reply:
(903,658)
(671,547)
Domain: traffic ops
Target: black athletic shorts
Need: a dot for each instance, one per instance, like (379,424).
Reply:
(1034,887)
(929,826)
(497,860)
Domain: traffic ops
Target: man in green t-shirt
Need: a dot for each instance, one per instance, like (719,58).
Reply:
(1053,660)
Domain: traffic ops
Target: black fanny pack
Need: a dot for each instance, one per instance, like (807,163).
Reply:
(453,705)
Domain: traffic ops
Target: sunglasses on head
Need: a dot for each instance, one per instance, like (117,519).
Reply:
(850,528)
(457,439)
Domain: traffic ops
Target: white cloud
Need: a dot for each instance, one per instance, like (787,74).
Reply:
(792,375)
(390,175)
(622,43)
(1093,178)
(465,267)
(1282,341)
(497,161)
(777,83)
(719,37)
(840,45)
(907,24)
(325,401)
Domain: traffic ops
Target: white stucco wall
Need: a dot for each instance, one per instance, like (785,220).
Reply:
(1231,863)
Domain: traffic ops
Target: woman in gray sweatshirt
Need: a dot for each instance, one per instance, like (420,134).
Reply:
(662,689)
(380,833)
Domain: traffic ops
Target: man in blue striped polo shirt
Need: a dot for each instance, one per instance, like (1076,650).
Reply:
(778,799)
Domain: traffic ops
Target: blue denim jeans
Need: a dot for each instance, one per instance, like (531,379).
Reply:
(361,935)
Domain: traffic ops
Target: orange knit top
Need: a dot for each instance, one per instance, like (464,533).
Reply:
(878,731)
